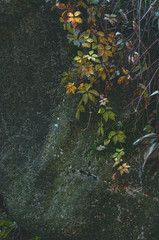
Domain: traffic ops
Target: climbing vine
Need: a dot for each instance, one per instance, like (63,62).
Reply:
(110,52)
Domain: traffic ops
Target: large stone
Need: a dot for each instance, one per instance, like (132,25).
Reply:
(46,180)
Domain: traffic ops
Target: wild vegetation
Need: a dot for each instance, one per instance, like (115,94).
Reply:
(115,45)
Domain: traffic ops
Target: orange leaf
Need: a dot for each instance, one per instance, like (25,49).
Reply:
(78,20)
(62,6)
(121,79)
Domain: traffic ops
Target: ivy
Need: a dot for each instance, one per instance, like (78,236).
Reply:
(100,59)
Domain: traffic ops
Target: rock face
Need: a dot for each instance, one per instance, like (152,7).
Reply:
(45,179)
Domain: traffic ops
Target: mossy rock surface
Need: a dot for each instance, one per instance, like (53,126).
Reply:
(46,181)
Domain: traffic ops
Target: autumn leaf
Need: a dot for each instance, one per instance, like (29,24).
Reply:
(61,6)
(83,86)
(124,168)
(74,18)
(70,88)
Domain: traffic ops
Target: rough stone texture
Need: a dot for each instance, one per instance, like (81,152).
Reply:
(45,179)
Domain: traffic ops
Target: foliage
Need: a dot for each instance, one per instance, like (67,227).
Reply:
(6,225)
(97,30)
(9,229)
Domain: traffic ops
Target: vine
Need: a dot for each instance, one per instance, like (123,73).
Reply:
(96,28)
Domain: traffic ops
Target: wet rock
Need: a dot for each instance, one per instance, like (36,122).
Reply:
(46,180)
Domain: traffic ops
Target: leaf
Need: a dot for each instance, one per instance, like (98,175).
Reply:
(91,52)
(91,97)
(85,98)
(79,53)
(102,131)
(76,32)
(101,110)
(125,71)
(94,46)
(136,69)
(90,40)
(76,43)
(82,108)
(78,20)
(94,92)
(101,34)
(105,116)
(61,6)
(115,139)
(77,13)
(111,115)
(111,134)
(121,79)
(77,58)
(70,14)
(106,142)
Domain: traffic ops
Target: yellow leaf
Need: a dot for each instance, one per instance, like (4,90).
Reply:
(78,20)
(86,45)
(121,79)
(108,47)
(70,88)
(100,46)
(101,34)
(77,13)
(109,53)
(70,14)
(125,71)
(105,56)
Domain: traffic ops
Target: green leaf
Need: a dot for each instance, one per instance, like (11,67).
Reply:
(108,108)
(111,134)
(115,139)
(79,53)
(115,155)
(78,114)
(106,142)
(91,52)
(105,116)
(136,69)
(80,91)
(99,14)
(101,110)
(77,58)
(102,131)
(63,80)
(94,46)
(76,32)
(111,115)
(94,55)
(121,139)
(82,108)
(94,92)
(64,74)
(119,150)
(85,98)
(91,97)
